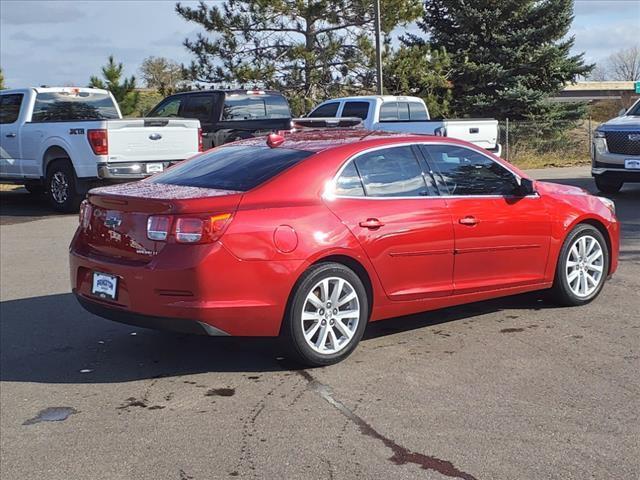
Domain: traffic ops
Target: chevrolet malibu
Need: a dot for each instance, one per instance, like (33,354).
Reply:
(311,235)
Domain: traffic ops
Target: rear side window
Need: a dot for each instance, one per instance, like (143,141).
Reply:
(198,106)
(73,105)
(238,168)
(466,172)
(10,107)
(391,172)
(240,106)
(326,110)
(168,108)
(356,109)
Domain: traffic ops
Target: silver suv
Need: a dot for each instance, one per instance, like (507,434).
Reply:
(615,156)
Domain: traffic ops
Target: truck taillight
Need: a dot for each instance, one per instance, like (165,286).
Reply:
(99,141)
(200,144)
(158,227)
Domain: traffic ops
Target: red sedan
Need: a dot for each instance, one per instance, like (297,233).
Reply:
(312,235)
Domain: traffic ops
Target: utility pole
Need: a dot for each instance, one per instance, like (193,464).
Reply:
(376,9)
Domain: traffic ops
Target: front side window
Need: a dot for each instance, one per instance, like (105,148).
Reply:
(237,168)
(356,109)
(10,107)
(349,183)
(169,108)
(462,171)
(73,105)
(391,172)
(240,106)
(328,110)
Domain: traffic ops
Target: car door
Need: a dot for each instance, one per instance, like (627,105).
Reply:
(386,201)
(501,237)
(10,106)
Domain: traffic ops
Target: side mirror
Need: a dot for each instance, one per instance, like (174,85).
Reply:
(622,112)
(525,187)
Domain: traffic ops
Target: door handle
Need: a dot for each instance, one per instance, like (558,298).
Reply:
(372,224)
(469,220)
(10,135)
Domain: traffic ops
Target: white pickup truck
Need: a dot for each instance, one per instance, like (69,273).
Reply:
(410,115)
(62,140)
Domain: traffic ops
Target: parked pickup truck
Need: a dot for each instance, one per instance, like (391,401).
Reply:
(229,115)
(410,114)
(615,153)
(60,141)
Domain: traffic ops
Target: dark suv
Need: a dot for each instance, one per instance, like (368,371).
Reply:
(228,115)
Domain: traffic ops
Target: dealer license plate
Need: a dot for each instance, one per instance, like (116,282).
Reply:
(632,164)
(155,167)
(104,286)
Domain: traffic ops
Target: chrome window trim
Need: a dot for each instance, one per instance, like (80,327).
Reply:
(333,181)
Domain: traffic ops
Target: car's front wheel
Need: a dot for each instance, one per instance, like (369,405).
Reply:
(608,186)
(327,315)
(582,267)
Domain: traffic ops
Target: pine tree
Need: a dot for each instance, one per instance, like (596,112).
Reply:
(507,56)
(125,93)
(420,72)
(311,50)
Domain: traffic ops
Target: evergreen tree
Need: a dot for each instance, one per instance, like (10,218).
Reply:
(420,72)
(125,93)
(507,56)
(311,50)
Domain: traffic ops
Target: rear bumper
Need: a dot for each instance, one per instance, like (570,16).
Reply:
(146,321)
(190,288)
(129,170)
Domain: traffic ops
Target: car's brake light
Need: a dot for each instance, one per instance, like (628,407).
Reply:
(158,227)
(200,144)
(99,141)
(201,230)
(85,214)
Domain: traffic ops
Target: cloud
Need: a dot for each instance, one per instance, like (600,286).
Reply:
(39,12)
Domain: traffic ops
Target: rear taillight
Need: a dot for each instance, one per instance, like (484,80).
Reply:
(188,229)
(99,141)
(158,227)
(85,214)
(200,144)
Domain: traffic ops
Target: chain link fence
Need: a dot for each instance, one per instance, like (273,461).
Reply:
(539,144)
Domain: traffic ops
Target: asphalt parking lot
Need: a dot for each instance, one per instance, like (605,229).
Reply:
(512,388)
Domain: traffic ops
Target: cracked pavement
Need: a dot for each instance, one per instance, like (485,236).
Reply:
(504,389)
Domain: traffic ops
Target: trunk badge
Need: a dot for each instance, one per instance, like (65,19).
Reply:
(155,136)
(112,221)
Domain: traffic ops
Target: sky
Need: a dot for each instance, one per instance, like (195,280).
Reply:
(56,42)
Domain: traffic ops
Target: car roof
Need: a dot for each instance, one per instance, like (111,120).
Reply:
(316,140)
(384,98)
(229,91)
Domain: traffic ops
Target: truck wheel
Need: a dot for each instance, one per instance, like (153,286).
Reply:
(608,186)
(61,186)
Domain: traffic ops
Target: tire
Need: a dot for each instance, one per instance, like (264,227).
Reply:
(340,340)
(61,187)
(608,186)
(579,290)
(34,188)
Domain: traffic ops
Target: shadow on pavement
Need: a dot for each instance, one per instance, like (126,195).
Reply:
(19,206)
(50,339)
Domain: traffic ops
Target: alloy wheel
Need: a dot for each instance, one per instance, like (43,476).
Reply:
(330,315)
(585,266)
(59,187)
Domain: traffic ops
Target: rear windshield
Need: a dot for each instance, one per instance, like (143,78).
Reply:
(239,168)
(73,105)
(240,106)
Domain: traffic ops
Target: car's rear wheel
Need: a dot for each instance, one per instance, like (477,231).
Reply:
(582,267)
(608,186)
(327,315)
(61,187)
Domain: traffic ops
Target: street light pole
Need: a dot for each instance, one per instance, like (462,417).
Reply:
(376,9)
